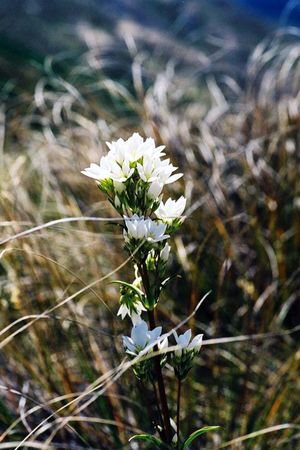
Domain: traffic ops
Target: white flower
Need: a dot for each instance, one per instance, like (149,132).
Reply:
(96,172)
(196,343)
(154,169)
(148,168)
(156,231)
(109,168)
(133,149)
(136,227)
(119,187)
(165,173)
(142,337)
(118,151)
(124,157)
(154,190)
(148,148)
(130,150)
(165,252)
(184,345)
(117,202)
(139,228)
(171,210)
(135,316)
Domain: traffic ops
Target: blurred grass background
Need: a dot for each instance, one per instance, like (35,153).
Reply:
(218,87)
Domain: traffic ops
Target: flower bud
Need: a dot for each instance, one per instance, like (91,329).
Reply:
(117,202)
(119,187)
(154,190)
(165,252)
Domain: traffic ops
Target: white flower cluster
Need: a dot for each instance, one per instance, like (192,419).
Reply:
(139,228)
(132,175)
(183,356)
(142,337)
(133,313)
(143,340)
(141,343)
(130,301)
(135,161)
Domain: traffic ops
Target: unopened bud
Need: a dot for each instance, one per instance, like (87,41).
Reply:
(165,252)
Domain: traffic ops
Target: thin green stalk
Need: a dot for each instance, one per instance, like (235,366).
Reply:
(178,412)
(158,408)
(144,391)
(161,386)
(160,381)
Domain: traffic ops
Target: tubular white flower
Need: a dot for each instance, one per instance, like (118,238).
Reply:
(165,252)
(139,228)
(134,155)
(109,168)
(117,202)
(171,210)
(141,337)
(118,151)
(135,316)
(133,149)
(196,343)
(150,149)
(119,187)
(184,344)
(154,190)
(182,341)
(156,231)
(152,169)
(148,169)
(96,172)
(136,227)
(165,171)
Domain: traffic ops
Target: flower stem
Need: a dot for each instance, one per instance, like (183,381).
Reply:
(144,392)
(161,387)
(161,421)
(178,412)
(160,381)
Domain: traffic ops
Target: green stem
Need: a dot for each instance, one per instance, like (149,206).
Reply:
(178,412)
(144,392)
(161,386)
(160,381)
(161,421)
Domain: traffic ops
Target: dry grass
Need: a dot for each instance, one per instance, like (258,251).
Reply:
(63,379)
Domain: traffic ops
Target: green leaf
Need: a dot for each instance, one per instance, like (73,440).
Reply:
(131,286)
(149,438)
(196,434)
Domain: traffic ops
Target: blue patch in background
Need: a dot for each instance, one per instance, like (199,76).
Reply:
(286,10)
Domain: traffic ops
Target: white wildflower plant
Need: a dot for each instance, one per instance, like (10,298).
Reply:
(130,301)
(185,352)
(132,176)
(170,213)
(138,228)
(142,342)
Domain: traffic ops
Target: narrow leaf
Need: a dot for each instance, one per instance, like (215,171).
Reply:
(130,286)
(196,434)
(148,438)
